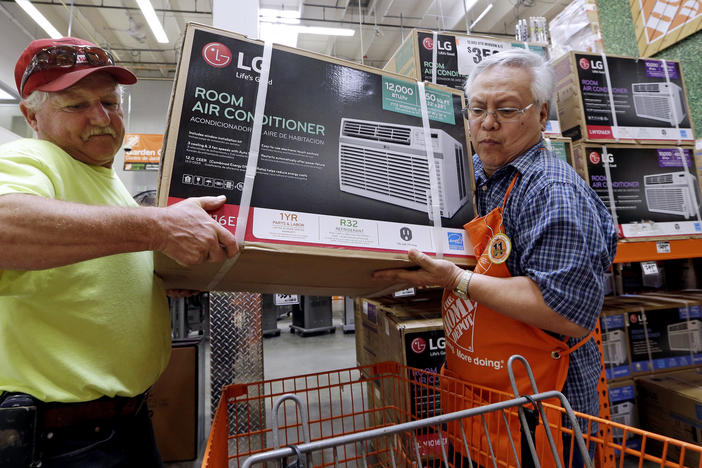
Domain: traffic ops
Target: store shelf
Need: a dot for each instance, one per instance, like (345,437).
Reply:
(658,250)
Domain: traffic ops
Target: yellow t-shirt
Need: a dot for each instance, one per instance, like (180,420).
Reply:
(81,331)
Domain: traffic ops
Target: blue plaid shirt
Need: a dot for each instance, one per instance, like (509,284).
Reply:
(563,238)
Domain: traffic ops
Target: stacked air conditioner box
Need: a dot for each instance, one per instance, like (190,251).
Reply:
(651,332)
(354,166)
(407,330)
(448,59)
(643,337)
(632,140)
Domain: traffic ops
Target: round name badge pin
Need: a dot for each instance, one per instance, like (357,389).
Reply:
(499,248)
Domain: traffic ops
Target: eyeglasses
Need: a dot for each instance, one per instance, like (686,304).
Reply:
(502,114)
(66,56)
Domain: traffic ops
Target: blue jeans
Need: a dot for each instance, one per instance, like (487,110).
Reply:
(122,442)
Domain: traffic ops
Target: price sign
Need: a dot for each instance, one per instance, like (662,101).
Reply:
(472,51)
(663,247)
(649,268)
(404,292)
(286,299)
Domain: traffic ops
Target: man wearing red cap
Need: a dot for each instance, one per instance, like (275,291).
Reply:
(84,322)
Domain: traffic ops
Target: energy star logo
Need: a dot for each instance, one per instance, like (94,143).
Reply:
(217,54)
(455,241)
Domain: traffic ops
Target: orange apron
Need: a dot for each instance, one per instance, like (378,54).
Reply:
(480,341)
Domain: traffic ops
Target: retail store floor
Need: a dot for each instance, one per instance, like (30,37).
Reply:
(290,354)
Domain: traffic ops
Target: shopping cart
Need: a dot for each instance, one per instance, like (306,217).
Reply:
(390,415)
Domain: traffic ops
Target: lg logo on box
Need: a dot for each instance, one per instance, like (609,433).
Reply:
(595,157)
(419,345)
(586,64)
(217,54)
(428,44)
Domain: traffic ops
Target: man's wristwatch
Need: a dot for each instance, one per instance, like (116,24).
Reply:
(463,283)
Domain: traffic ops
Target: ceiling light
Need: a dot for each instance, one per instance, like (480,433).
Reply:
(300,29)
(148,11)
(470,4)
(39,18)
(269,15)
(481,16)
(325,31)
(5,96)
(272,32)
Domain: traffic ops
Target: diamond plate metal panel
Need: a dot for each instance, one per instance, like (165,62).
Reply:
(236,341)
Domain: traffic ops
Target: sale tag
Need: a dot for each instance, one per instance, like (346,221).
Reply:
(404,292)
(649,268)
(286,299)
(663,247)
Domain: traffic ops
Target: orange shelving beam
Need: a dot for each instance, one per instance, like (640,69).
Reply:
(658,250)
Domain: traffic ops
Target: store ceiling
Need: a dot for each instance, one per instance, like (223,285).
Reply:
(120,26)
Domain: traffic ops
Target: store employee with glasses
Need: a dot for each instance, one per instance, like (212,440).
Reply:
(84,322)
(543,240)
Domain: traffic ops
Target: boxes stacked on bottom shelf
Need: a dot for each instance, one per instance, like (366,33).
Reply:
(624,410)
(651,333)
(345,173)
(456,56)
(655,188)
(671,404)
(407,330)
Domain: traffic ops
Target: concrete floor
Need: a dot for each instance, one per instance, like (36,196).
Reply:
(290,354)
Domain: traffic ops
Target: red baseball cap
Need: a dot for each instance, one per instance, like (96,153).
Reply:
(58,79)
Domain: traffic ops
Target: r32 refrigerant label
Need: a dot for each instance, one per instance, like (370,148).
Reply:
(403,97)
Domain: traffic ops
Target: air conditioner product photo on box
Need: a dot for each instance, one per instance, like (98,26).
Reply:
(655,188)
(350,169)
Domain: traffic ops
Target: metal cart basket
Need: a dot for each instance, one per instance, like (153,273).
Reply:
(390,415)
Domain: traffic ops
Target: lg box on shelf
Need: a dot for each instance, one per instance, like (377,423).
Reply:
(649,100)
(342,184)
(655,188)
(456,55)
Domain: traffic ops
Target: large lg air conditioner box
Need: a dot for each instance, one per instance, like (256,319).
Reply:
(685,336)
(659,101)
(614,347)
(388,162)
(672,193)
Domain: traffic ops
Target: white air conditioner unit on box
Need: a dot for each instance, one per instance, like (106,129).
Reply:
(685,336)
(672,193)
(614,347)
(659,101)
(388,162)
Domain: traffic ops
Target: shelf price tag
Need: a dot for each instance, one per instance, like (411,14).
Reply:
(404,292)
(663,247)
(649,268)
(286,299)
